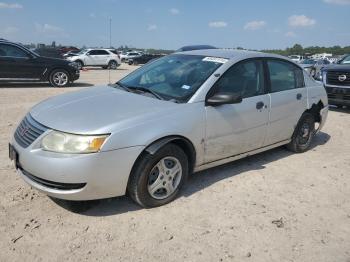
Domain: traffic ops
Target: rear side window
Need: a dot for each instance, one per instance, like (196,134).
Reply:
(284,76)
(12,51)
(245,78)
(102,52)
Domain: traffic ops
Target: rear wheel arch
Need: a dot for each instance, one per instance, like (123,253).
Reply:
(315,110)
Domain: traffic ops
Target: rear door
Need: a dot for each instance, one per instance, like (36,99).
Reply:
(288,99)
(103,57)
(233,129)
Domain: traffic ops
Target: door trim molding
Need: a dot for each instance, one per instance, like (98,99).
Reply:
(239,156)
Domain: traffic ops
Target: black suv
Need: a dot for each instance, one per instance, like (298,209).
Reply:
(18,64)
(336,79)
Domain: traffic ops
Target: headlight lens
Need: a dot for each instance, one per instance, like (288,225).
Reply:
(73,64)
(72,144)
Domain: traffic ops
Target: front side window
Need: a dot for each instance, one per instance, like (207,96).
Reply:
(173,77)
(284,76)
(12,51)
(93,52)
(245,78)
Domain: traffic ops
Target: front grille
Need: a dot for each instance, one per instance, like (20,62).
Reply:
(333,78)
(28,131)
(51,184)
(338,93)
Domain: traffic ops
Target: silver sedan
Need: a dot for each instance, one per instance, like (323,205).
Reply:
(174,116)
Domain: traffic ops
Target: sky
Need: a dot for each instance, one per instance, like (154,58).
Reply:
(170,24)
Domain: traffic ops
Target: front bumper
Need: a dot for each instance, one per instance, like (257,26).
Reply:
(75,75)
(81,176)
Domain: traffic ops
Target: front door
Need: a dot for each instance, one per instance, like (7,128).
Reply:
(233,129)
(15,63)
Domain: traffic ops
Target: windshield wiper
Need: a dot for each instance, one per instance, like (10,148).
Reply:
(146,90)
(122,86)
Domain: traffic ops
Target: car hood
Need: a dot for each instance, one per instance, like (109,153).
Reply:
(337,67)
(50,60)
(99,110)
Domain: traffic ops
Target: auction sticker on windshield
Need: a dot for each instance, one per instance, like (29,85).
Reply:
(215,59)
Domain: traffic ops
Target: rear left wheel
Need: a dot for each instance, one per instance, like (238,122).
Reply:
(303,134)
(112,65)
(156,179)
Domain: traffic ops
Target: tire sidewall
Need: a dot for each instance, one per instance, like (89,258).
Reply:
(143,168)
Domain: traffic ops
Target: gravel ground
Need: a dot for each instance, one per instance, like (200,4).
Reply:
(275,206)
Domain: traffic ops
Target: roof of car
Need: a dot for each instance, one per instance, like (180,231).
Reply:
(230,53)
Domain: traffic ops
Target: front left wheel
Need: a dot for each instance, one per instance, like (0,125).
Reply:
(59,78)
(157,178)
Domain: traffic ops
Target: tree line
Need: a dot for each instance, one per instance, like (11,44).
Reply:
(298,49)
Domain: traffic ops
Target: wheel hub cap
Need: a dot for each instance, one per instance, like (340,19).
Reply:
(164,178)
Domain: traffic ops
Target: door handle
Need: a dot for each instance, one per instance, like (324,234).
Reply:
(259,105)
(299,96)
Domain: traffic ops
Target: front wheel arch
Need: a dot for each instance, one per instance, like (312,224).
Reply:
(184,143)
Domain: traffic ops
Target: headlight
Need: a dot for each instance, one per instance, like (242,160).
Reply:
(73,64)
(72,144)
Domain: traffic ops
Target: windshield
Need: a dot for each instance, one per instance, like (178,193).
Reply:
(82,52)
(173,77)
(345,60)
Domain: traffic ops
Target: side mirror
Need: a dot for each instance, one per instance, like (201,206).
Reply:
(224,98)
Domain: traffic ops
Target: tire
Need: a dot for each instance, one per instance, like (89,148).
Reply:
(303,134)
(80,64)
(153,175)
(104,67)
(59,78)
(113,65)
(130,62)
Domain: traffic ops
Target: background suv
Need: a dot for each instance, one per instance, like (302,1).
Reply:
(105,58)
(336,79)
(18,64)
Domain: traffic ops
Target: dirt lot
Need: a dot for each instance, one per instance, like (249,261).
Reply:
(275,206)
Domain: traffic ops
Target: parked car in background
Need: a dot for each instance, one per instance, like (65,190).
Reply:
(336,79)
(308,64)
(316,70)
(66,49)
(71,53)
(96,57)
(195,47)
(296,58)
(130,55)
(18,64)
(49,52)
(143,59)
(180,114)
